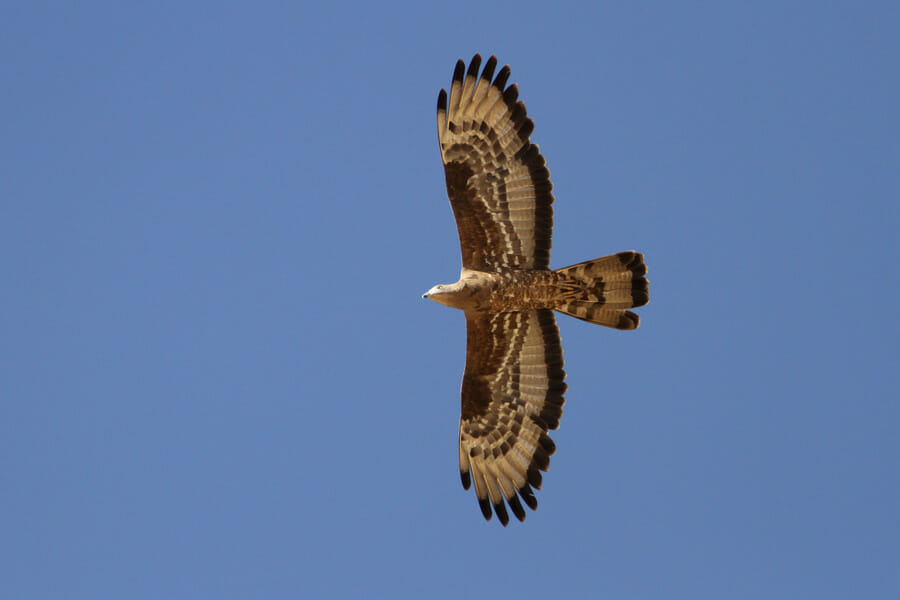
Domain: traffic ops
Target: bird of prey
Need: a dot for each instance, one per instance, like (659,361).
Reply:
(513,384)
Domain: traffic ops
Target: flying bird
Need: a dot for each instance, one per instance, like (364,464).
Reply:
(513,385)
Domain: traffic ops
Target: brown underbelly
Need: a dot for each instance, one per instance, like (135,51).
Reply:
(524,290)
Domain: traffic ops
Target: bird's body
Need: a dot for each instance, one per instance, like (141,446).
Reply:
(517,290)
(513,385)
(499,292)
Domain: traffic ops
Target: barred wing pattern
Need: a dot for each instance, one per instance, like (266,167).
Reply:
(498,183)
(512,393)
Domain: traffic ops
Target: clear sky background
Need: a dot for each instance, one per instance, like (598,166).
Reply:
(218,378)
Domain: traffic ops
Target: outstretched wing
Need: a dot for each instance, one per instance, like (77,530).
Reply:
(498,184)
(512,393)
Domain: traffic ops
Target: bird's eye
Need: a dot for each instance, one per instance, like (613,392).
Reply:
(440,287)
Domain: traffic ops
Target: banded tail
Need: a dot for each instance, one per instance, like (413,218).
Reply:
(600,290)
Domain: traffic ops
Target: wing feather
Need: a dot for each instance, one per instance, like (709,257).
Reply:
(497,180)
(512,393)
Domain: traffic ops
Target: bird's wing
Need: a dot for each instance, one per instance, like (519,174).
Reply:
(497,181)
(512,394)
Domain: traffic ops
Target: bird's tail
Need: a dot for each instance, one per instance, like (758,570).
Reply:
(600,290)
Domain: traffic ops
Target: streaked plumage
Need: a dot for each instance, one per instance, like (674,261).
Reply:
(513,385)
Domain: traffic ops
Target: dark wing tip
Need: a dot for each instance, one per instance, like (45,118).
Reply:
(534,477)
(442,100)
(528,496)
(489,67)
(516,507)
(510,95)
(473,66)
(502,77)
(485,505)
(466,479)
(502,515)
(460,71)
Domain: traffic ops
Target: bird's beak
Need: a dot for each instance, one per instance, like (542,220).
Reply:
(425,295)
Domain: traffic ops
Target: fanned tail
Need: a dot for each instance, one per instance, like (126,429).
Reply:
(600,290)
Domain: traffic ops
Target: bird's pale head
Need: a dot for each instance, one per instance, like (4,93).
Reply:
(434,292)
(443,293)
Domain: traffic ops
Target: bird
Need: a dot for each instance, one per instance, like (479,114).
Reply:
(513,385)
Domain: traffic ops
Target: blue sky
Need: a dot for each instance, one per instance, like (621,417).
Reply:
(219,378)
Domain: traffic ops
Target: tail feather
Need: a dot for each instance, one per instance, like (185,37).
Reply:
(600,290)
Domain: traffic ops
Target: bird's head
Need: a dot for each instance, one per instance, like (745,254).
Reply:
(434,292)
(442,293)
